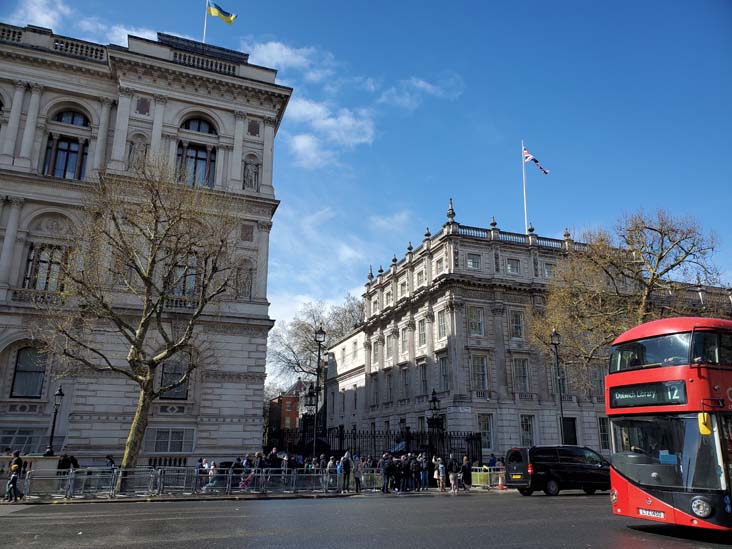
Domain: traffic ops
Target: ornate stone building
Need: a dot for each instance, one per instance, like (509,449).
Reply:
(451,317)
(70,108)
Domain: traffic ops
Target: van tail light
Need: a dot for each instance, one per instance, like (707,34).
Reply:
(531,469)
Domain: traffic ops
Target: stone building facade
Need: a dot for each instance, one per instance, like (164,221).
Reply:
(450,316)
(70,108)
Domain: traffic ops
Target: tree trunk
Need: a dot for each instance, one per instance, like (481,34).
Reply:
(138,427)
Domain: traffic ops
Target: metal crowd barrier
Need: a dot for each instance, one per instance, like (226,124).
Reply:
(104,482)
(486,477)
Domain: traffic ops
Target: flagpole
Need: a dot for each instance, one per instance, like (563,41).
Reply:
(205,18)
(523,169)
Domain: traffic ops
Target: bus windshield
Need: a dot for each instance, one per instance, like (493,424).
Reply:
(666,350)
(667,451)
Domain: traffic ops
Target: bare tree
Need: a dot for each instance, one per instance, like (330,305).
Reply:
(151,258)
(647,269)
(292,347)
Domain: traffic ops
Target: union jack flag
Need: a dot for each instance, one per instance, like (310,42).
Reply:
(528,157)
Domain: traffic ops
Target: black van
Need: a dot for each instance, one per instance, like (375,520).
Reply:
(555,468)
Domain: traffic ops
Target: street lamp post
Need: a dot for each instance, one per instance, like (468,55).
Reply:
(58,396)
(319,339)
(432,422)
(556,340)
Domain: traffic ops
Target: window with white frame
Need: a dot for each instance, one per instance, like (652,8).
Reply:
(475,321)
(439,265)
(374,306)
(473,262)
(374,389)
(521,375)
(527,430)
(421,424)
(485,426)
(597,381)
(441,323)
(513,266)
(387,299)
(375,351)
(402,289)
(422,332)
(603,424)
(169,440)
(443,368)
(517,324)
(389,345)
(404,373)
(389,387)
(404,340)
(549,270)
(354,351)
(420,278)
(479,373)
(423,387)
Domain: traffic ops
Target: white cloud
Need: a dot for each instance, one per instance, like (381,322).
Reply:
(43,13)
(349,254)
(117,34)
(278,55)
(395,222)
(408,94)
(309,151)
(346,127)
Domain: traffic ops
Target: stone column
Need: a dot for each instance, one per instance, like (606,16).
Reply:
(11,134)
(260,287)
(29,133)
(157,129)
(457,348)
(11,233)
(100,151)
(120,129)
(221,157)
(266,186)
(235,175)
(499,311)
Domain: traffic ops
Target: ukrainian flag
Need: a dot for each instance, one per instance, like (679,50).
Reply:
(215,10)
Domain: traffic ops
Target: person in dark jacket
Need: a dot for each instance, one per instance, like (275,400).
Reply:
(467,473)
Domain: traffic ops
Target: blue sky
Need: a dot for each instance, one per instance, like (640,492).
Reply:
(399,106)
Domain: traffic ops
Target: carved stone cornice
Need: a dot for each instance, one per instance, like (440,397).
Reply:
(160,98)
(20,84)
(107,101)
(36,87)
(264,226)
(269,121)
(233,377)
(16,201)
(124,91)
(240,115)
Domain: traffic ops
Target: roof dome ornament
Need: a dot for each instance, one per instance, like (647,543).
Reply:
(381,270)
(566,233)
(531,228)
(493,222)
(371,273)
(427,233)
(451,213)
(394,260)
(409,247)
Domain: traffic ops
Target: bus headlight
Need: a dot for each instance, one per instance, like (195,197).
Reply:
(613,496)
(701,507)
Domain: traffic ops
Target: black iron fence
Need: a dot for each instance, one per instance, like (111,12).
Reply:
(337,441)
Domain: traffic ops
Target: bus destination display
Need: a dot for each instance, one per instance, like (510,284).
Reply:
(648,394)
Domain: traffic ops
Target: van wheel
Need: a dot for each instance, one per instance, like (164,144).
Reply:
(589,491)
(525,491)
(552,487)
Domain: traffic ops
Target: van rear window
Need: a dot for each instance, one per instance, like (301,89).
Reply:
(515,457)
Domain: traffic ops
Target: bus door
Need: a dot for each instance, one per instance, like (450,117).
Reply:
(725,436)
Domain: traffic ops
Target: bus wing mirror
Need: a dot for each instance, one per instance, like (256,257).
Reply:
(705,423)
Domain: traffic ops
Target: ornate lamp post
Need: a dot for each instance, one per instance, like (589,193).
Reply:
(433,422)
(319,339)
(310,405)
(556,340)
(58,396)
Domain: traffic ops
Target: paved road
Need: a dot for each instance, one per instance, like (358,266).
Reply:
(431,521)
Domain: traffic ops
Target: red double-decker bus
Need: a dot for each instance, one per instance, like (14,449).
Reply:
(668,395)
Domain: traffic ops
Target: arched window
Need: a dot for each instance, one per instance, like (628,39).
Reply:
(172,371)
(75,118)
(67,148)
(30,370)
(197,164)
(199,125)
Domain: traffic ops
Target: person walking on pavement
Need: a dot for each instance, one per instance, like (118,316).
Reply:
(346,467)
(439,472)
(357,473)
(453,468)
(11,490)
(467,473)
